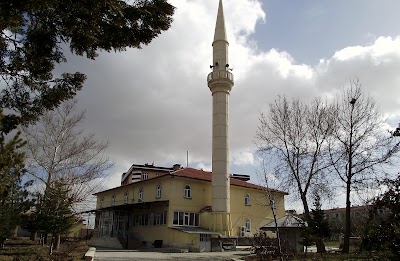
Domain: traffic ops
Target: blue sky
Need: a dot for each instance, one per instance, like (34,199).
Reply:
(153,104)
(311,30)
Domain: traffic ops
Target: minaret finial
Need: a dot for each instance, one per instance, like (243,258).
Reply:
(220,33)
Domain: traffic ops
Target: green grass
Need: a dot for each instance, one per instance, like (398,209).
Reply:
(26,250)
(332,244)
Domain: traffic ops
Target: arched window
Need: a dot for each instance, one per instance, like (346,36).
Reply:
(187,192)
(126,197)
(140,196)
(158,191)
(248,225)
(247,199)
(113,200)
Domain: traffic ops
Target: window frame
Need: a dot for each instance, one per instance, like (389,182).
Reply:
(247,224)
(181,218)
(113,200)
(247,199)
(145,175)
(187,191)
(140,195)
(126,197)
(158,191)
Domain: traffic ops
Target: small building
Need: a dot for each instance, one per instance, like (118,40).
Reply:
(290,230)
(175,208)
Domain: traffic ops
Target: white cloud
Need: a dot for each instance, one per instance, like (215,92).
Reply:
(243,157)
(153,104)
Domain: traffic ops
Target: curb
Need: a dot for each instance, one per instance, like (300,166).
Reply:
(89,256)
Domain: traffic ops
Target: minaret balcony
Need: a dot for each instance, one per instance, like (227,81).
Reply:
(220,75)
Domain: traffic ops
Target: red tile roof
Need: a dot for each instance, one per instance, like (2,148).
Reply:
(200,175)
(207,176)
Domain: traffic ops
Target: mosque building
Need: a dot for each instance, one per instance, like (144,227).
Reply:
(186,207)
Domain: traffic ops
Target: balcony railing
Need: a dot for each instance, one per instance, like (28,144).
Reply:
(220,75)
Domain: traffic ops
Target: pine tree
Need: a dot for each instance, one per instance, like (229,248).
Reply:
(320,227)
(53,214)
(13,191)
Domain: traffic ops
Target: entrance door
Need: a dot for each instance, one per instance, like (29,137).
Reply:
(205,243)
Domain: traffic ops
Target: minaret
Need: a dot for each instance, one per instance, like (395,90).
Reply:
(220,82)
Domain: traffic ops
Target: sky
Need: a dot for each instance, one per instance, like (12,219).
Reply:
(153,105)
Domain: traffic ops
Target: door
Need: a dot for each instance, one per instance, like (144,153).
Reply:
(205,243)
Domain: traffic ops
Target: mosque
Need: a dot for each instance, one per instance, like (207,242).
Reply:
(186,207)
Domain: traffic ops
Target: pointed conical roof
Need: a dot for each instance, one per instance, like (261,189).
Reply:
(220,33)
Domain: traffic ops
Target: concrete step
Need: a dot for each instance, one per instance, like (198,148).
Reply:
(110,242)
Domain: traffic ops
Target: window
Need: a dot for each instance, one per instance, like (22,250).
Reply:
(140,195)
(248,225)
(158,191)
(150,219)
(247,199)
(205,238)
(145,176)
(126,197)
(187,192)
(101,201)
(186,219)
(113,200)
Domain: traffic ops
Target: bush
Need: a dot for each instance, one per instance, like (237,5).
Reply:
(267,248)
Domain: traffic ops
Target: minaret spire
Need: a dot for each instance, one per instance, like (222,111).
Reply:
(220,82)
(220,32)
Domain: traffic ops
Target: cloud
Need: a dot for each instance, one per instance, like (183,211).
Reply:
(153,104)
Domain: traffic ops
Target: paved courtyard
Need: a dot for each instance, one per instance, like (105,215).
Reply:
(120,255)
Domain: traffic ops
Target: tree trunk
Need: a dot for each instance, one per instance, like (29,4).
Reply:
(57,240)
(305,205)
(347,232)
(33,236)
(320,246)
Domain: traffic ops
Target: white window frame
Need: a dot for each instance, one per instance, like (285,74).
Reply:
(158,191)
(247,201)
(191,219)
(145,175)
(248,225)
(187,192)
(126,195)
(140,195)
(101,201)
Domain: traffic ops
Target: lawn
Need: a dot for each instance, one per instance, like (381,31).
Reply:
(27,250)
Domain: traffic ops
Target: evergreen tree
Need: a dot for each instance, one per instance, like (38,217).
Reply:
(13,191)
(53,214)
(320,228)
(382,232)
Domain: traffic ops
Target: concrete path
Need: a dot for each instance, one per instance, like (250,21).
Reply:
(121,255)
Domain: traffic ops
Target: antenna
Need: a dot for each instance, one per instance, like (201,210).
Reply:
(187,159)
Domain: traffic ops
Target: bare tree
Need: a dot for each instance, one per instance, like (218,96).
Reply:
(293,137)
(59,150)
(358,145)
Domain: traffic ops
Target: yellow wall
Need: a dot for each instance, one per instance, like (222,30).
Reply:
(258,211)
(173,190)
(201,196)
(149,193)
